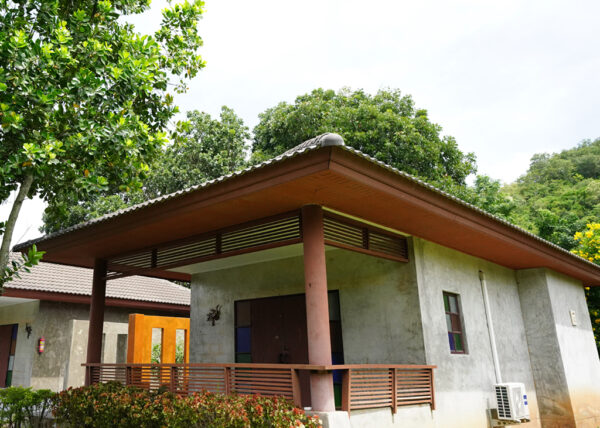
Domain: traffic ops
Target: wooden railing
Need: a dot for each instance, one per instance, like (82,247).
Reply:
(367,386)
(364,386)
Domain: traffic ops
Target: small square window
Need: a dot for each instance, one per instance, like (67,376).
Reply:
(454,323)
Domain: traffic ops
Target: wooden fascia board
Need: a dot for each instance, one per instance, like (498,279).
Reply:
(235,187)
(364,171)
(84,299)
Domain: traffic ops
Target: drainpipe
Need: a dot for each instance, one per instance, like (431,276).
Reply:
(490,324)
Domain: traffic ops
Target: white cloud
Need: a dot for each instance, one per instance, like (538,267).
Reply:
(506,79)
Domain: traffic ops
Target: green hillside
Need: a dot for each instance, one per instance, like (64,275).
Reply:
(559,197)
(559,194)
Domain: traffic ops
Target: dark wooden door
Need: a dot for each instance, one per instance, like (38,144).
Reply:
(279,334)
(5,345)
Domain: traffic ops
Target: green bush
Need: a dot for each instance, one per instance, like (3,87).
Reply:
(24,407)
(179,353)
(113,405)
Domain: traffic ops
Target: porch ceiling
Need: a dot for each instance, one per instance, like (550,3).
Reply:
(336,177)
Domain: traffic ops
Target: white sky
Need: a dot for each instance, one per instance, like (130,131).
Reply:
(506,79)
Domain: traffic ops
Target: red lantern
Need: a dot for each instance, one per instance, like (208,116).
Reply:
(41,345)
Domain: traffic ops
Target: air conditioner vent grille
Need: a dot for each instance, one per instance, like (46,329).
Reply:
(503,402)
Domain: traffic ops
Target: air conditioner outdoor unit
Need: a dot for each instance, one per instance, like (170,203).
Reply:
(511,399)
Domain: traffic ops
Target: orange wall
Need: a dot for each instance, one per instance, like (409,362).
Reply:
(139,341)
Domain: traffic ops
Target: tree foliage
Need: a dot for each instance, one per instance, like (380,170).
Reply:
(486,193)
(84,98)
(202,149)
(559,199)
(386,126)
(559,194)
(588,247)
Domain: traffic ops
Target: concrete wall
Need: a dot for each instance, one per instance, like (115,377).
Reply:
(563,353)
(21,314)
(378,301)
(406,417)
(56,322)
(75,373)
(464,382)
(394,313)
(64,327)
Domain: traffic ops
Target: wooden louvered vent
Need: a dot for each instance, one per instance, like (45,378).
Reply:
(284,229)
(255,236)
(352,235)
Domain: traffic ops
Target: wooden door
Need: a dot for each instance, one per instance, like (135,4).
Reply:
(278,334)
(273,330)
(6,333)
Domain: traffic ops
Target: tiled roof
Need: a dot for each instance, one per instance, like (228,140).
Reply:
(64,279)
(327,139)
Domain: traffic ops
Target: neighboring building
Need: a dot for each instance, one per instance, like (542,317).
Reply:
(335,269)
(53,302)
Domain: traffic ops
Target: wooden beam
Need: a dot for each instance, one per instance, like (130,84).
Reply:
(94,348)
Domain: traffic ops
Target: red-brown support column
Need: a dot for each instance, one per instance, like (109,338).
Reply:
(317,307)
(94,348)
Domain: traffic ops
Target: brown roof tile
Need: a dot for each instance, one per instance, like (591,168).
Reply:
(64,279)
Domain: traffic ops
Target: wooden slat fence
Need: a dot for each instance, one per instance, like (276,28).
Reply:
(183,379)
(364,386)
(367,386)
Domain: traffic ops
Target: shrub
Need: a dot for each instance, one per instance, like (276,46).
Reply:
(24,407)
(115,405)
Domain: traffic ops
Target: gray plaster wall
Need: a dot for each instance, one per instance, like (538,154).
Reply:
(379,305)
(75,373)
(55,321)
(563,352)
(394,313)
(21,314)
(464,383)
(64,327)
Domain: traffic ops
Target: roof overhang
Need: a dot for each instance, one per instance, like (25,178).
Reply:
(84,299)
(336,177)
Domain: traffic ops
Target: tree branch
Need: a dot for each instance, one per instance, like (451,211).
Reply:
(12,220)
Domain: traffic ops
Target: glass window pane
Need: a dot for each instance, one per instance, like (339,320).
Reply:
(448,322)
(337,376)
(242,317)
(451,339)
(337,358)
(458,342)
(335,332)
(453,304)
(337,395)
(446,305)
(243,358)
(242,339)
(455,322)
(333,298)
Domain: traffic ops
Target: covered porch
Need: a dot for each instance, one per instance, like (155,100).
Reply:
(297,347)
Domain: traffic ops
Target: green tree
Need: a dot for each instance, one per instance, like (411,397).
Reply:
(559,194)
(486,193)
(83,96)
(386,126)
(202,149)
(588,247)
